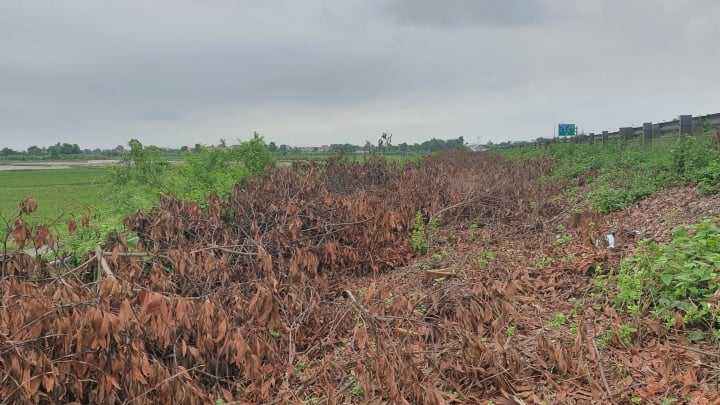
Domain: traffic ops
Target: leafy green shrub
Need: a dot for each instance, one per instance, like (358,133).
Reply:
(679,276)
(420,243)
(144,172)
(708,178)
(422,233)
(617,174)
(215,170)
(625,171)
(140,174)
(691,156)
(607,199)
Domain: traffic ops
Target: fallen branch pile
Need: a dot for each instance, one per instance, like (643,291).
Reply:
(290,290)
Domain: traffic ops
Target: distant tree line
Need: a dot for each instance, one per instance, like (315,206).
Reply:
(384,145)
(60,151)
(67,151)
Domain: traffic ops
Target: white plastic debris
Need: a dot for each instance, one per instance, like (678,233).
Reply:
(610,239)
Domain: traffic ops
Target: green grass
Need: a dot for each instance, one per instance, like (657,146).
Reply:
(622,172)
(60,194)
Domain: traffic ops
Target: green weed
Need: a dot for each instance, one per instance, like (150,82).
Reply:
(625,171)
(422,234)
(680,276)
(544,262)
(559,320)
(356,389)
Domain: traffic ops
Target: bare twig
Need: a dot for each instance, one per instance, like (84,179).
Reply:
(602,371)
(692,349)
(469,200)
(226,250)
(172,377)
(129,254)
(103,265)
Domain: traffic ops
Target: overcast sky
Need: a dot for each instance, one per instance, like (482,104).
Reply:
(314,72)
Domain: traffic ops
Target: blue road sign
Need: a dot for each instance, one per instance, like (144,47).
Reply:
(567,130)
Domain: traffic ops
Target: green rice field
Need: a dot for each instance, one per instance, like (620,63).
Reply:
(60,193)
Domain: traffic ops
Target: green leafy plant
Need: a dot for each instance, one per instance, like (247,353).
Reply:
(544,262)
(140,174)
(422,234)
(604,340)
(708,178)
(690,156)
(669,400)
(608,198)
(487,257)
(680,276)
(215,170)
(559,320)
(274,333)
(356,389)
(440,255)
(145,171)
(419,238)
(569,259)
(301,366)
(576,309)
(625,332)
(454,393)
(612,176)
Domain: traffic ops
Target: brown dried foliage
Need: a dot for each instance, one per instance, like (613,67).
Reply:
(284,292)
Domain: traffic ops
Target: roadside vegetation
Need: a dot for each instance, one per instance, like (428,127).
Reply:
(676,282)
(255,280)
(611,177)
(101,197)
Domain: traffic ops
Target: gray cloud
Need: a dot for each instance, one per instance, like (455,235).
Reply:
(461,13)
(320,71)
(160,115)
